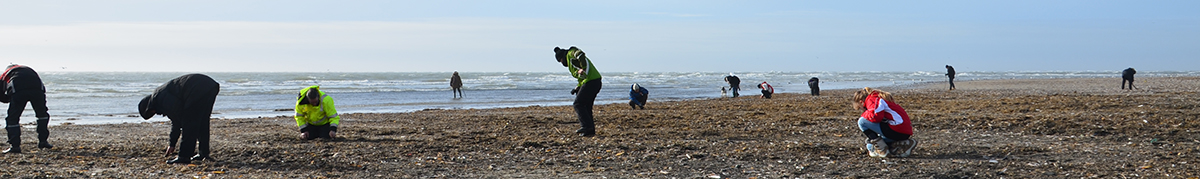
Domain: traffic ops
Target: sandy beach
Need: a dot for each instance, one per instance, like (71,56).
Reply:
(1028,128)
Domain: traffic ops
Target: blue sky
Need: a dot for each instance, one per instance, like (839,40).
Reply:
(624,36)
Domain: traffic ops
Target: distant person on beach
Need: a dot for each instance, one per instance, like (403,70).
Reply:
(814,85)
(456,84)
(638,96)
(23,85)
(188,101)
(767,90)
(734,84)
(585,91)
(316,115)
(1127,75)
(950,73)
(886,125)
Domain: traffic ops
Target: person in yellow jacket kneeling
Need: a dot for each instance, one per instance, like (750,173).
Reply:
(315,114)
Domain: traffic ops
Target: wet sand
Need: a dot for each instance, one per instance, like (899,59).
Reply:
(1043,128)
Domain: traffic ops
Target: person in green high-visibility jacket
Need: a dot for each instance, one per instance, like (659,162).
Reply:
(585,92)
(316,115)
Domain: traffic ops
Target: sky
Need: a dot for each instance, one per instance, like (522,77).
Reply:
(617,35)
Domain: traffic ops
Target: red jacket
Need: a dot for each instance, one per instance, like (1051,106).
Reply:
(879,110)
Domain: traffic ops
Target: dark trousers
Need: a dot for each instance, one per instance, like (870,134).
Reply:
(194,131)
(584,101)
(639,102)
(1123,81)
(16,106)
(816,90)
(196,126)
(766,94)
(951,82)
(457,92)
(321,131)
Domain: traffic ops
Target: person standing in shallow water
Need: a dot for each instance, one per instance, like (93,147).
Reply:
(814,85)
(23,85)
(1127,75)
(585,91)
(950,73)
(456,85)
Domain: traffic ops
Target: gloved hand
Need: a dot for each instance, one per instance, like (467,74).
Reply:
(333,134)
(576,90)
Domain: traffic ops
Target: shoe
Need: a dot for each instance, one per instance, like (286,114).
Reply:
(903,148)
(586,132)
(13,150)
(44,145)
(877,148)
(199,157)
(179,161)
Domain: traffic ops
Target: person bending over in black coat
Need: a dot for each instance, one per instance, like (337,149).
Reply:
(188,101)
(23,85)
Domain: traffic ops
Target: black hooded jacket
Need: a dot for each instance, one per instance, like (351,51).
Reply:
(190,95)
(1128,74)
(20,79)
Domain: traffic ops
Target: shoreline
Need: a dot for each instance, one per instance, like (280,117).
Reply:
(987,128)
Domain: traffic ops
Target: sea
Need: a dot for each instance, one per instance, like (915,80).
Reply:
(112,97)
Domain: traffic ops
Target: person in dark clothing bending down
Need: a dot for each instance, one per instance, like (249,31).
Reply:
(950,73)
(767,90)
(638,96)
(814,85)
(734,83)
(1127,75)
(188,101)
(23,85)
(589,85)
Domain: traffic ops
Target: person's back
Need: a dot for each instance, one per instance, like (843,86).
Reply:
(20,78)
(1128,73)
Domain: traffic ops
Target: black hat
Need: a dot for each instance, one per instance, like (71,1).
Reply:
(144,108)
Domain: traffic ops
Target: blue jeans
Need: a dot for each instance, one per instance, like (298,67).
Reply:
(873,128)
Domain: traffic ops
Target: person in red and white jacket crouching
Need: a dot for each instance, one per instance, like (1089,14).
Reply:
(886,125)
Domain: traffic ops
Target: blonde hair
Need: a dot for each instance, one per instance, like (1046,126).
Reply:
(860,96)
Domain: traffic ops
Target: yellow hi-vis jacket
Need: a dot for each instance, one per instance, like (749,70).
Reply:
(318,114)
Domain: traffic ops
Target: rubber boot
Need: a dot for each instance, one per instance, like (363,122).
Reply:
(43,131)
(14,139)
